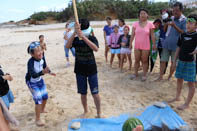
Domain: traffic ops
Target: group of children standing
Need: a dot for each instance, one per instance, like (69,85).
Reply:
(117,39)
(156,38)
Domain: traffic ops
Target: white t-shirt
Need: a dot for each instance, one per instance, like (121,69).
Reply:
(121,30)
(68,35)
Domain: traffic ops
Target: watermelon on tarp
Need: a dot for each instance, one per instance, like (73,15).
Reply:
(131,124)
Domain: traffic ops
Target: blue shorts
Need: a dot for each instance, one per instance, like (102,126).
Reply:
(186,71)
(82,85)
(8,98)
(38,90)
(115,51)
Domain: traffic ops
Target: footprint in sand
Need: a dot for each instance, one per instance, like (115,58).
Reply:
(30,117)
(48,86)
(68,85)
(61,112)
(52,96)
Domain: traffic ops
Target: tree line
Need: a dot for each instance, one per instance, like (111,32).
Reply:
(99,9)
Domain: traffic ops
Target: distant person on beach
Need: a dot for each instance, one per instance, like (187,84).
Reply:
(141,32)
(154,53)
(186,66)
(121,23)
(114,45)
(108,29)
(5,91)
(42,43)
(174,27)
(92,32)
(37,67)
(67,34)
(125,51)
(85,64)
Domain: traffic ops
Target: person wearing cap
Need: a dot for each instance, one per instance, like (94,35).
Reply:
(85,64)
(36,68)
(186,65)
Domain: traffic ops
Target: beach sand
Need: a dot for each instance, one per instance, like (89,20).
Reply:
(118,93)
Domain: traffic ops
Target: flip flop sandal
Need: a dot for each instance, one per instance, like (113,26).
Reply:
(132,77)
(144,78)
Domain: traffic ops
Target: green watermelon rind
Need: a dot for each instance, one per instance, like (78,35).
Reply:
(127,125)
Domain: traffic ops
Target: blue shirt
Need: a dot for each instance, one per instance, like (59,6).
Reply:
(108,30)
(171,40)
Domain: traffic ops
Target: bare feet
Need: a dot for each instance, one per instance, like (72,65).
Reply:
(183,107)
(132,77)
(169,77)
(14,129)
(158,79)
(39,123)
(144,78)
(100,116)
(173,100)
(84,115)
(138,128)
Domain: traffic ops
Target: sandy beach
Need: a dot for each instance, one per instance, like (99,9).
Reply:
(118,93)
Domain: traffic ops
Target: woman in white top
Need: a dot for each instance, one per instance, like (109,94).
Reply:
(121,24)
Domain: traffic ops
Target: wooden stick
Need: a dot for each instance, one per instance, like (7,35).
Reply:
(76,13)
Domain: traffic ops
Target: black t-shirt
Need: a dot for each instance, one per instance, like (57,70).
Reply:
(85,63)
(187,43)
(4,87)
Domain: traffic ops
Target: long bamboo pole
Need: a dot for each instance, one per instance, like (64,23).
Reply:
(76,13)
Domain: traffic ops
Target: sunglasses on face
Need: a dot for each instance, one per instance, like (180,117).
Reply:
(191,20)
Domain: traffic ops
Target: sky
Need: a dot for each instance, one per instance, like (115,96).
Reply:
(21,9)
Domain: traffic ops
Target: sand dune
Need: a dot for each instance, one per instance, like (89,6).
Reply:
(118,93)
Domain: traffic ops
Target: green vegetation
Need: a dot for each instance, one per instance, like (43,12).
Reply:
(99,9)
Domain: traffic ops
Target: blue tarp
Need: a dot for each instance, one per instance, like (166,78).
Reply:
(156,116)
(109,124)
(151,116)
